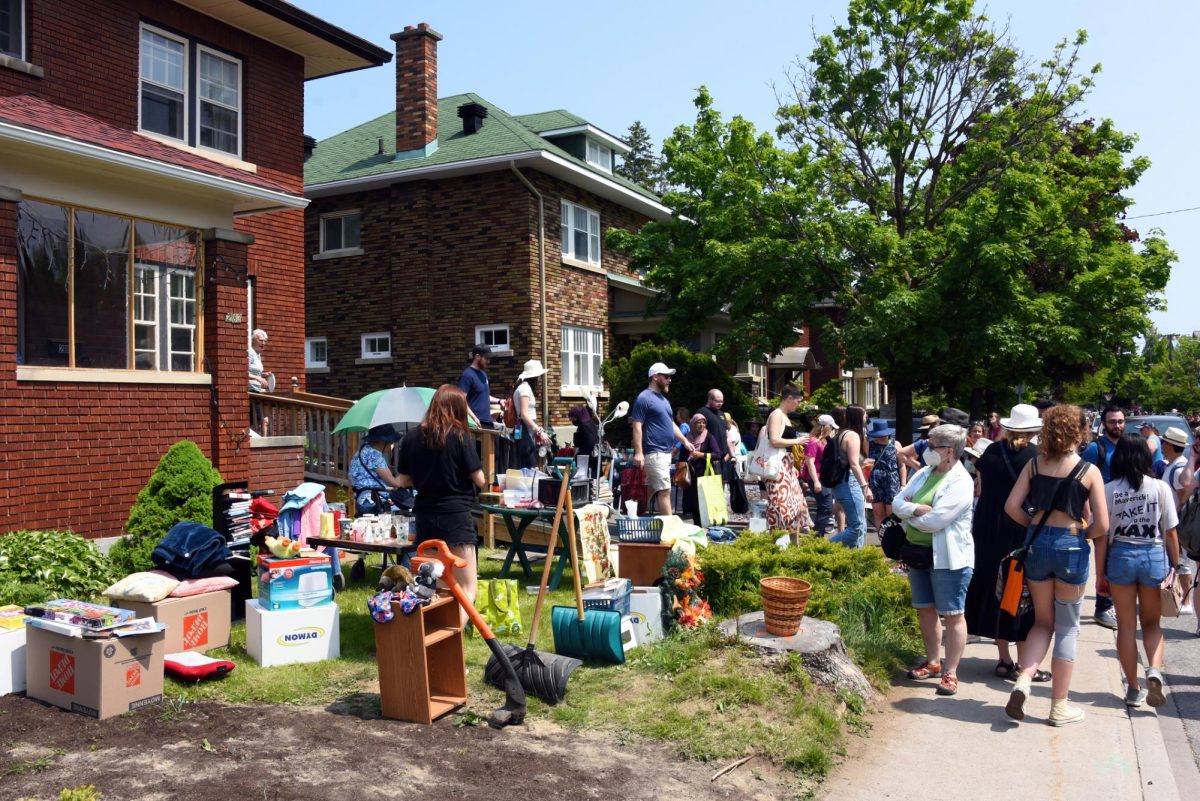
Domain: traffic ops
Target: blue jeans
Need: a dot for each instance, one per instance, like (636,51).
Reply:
(850,495)
(823,517)
(944,590)
(1135,563)
(1058,553)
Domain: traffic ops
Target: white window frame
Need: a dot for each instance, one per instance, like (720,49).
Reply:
(240,96)
(22,45)
(481,339)
(567,231)
(601,151)
(593,339)
(172,325)
(186,82)
(310,360)
(340,215)
(153,324)
(375,354)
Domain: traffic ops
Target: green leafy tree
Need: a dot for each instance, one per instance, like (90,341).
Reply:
(640,165)
(695,375)
(180,488)
(827,396)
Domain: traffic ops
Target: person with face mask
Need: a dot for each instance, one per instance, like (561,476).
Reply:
(936,506)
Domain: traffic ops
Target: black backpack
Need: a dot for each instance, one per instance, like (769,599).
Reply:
(835,465)
(1101,452)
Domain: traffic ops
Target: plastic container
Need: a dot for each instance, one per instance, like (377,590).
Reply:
(639,529)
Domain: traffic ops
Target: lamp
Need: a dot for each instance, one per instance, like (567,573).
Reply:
(619,411)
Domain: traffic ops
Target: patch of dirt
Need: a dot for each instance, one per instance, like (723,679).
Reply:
(281,753)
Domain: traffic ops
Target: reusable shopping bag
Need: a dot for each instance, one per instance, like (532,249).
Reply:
(765,461)
(710,495)
(499,602)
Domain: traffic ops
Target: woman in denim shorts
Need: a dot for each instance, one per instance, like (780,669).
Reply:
(1143,550)
(936,506)
(1056,564)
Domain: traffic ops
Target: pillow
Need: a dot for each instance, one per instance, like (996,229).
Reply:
(149,587)
(197,586)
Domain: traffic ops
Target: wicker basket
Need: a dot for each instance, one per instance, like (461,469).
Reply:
(784,602)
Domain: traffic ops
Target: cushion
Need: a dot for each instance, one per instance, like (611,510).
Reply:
(149,587)
(198,586)
(194,666)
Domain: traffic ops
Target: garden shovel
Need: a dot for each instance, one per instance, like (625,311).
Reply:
(585,633)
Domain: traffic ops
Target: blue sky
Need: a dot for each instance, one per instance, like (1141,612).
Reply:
(616,62)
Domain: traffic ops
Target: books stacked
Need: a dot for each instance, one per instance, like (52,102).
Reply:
(87,620)
(12,618)
(235,517)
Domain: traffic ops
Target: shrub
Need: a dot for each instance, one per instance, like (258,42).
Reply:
(39,565)
(696,374)
(180,488)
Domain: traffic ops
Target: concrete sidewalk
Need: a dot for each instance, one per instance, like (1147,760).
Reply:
(926,746)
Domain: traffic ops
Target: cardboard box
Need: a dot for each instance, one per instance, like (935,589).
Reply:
(12,660)
(98,678)
(292,636)
(645,610)
(194,622)
(301,582)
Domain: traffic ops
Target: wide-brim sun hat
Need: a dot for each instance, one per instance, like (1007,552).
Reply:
(658,368)
(979,447)
(533,369)
(1176,436)
(382,433)
(879,428)
(1022,419)
(929,421)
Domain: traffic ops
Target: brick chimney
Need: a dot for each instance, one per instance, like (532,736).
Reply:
(416,91)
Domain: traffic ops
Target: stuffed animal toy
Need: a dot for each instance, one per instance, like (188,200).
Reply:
(424,584)
(282,547)
(395,579)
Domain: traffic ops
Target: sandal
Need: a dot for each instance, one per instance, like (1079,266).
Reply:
(1006,669)
(1039,676)
(949,685)
(929,670)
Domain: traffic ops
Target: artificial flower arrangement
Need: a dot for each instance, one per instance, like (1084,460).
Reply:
(682,604)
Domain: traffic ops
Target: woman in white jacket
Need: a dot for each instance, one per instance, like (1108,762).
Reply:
(936,507)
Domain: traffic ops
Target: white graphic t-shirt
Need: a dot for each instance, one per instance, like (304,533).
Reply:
(1140,516)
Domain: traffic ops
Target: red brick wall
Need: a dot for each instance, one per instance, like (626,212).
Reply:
(278,468)
(442,257)
(75,454)
(416,87)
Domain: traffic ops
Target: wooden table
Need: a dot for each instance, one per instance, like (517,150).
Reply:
(517,521)
(395,548)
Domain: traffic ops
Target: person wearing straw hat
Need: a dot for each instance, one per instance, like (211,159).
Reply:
(996,536)
(528,434)
(1179,476)
(910,455)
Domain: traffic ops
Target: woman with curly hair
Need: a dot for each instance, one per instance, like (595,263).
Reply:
(1063,491)
(439,460)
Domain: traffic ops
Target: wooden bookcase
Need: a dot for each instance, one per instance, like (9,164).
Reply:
(422,665)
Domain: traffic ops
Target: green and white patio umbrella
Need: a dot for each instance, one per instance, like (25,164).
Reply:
(396,406)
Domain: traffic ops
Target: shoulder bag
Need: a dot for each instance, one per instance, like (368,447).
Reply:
(892,537)
(765,461)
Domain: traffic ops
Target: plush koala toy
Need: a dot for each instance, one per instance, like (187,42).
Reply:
(424,584)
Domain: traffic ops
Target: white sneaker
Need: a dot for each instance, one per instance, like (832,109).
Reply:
(1187,609)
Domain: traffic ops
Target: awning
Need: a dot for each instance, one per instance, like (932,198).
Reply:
(794,358)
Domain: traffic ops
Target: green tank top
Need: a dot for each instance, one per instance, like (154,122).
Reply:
(924,496)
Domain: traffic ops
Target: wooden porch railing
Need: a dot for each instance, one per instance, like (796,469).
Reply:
(327,455)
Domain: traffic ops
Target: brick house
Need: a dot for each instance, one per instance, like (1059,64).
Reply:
(424,235)
(151,214)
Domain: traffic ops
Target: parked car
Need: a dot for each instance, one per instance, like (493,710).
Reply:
(1160,421)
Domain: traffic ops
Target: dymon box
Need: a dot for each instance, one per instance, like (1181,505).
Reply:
(300,582)
(292,636)
(194,622)
(12,660)
(98,678)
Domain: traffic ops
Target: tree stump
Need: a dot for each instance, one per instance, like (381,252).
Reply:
(819,643)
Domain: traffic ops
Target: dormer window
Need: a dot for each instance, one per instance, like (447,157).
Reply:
(599,155)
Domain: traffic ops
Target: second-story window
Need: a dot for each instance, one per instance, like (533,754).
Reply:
(580,233)
(190,92)
(12,28)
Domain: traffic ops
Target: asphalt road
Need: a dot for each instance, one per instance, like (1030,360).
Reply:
(1183,676)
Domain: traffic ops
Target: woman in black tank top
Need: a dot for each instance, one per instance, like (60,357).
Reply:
(1065,491)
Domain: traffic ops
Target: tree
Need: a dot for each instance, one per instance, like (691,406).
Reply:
(695,375)
(935,187)
(640,165)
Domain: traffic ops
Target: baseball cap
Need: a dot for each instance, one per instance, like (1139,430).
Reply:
(827,420)
(658,368)
(481,350)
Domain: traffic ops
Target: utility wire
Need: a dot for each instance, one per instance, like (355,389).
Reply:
(1161,213)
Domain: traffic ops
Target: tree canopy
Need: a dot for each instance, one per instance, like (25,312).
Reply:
(640,165)
(944,193)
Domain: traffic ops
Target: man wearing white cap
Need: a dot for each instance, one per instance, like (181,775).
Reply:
(1179,477)
(655,434)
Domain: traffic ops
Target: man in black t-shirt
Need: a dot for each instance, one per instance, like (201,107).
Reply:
(716,423)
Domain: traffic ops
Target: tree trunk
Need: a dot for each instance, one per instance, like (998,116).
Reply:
(977,412)
(902,393)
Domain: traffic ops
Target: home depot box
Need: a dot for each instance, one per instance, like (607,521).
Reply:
(12,660)
(99,678)
(291,636)
(194,622)
(299,582)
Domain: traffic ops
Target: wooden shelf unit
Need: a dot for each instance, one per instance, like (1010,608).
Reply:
(422,663)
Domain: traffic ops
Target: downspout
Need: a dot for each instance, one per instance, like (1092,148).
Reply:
(541,279)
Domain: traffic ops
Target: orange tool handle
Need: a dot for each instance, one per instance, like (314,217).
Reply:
(439,550)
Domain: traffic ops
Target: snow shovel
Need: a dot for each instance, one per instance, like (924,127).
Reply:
(541,674)
(585,633)
(513,711)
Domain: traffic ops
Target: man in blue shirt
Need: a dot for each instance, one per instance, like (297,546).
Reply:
(1100,453)
(655,433)
(474,382)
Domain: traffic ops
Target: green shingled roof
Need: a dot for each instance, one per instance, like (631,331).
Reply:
(354,153)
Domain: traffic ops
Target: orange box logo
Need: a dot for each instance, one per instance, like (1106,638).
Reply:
(195,630)
(133,676)
(62,672)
